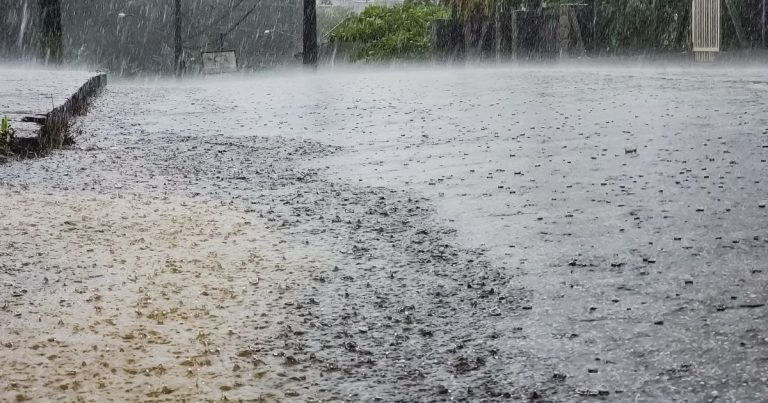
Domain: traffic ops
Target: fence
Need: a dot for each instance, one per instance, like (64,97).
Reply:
(705,26)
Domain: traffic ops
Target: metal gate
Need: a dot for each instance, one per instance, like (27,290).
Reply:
(706,29)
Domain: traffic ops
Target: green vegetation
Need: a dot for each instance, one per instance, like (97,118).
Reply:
(386,33)
(622,25)
(6,134)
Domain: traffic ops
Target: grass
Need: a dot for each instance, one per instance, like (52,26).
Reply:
(7,133)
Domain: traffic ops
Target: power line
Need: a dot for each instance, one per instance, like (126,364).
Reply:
(225,15)
(228,13)
(244,17)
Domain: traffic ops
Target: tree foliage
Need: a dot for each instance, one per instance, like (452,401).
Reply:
(385,33)
(623,26)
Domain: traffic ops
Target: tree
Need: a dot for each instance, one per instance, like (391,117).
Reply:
(310,32)
(385,33)
(178,49)
(50,37)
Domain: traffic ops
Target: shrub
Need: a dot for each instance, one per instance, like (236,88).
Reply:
(385,33)
(6,133)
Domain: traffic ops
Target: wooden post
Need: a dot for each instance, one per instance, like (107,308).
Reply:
(178,51)
(514,35)
(50,37)
(576,29)
(764,42)
(563,32)
(497,30)
(595,45)
(655,24)
(310,33)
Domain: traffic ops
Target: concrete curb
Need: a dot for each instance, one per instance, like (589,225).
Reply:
(53,132)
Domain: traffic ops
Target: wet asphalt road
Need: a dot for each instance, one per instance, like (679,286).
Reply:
(558,234)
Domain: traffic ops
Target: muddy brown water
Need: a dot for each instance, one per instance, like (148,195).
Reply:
(560,234)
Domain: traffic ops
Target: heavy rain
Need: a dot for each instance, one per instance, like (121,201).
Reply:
(384,200)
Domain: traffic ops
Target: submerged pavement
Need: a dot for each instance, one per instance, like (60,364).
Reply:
(553,234)
(27,90)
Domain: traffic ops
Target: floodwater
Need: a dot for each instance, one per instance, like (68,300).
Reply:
(542,233)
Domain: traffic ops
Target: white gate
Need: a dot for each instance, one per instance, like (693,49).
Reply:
(706,29)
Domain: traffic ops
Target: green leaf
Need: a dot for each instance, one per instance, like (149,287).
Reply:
(386,33)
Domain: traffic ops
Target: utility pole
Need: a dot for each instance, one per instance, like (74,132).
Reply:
(178,53)
(50,37)
(310,33)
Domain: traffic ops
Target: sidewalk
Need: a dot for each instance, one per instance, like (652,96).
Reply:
(33,92)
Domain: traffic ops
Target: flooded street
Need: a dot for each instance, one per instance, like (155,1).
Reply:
(532,233)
